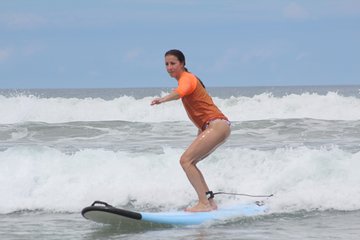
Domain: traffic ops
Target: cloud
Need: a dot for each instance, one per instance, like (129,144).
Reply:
(132,55)
(296,12)
(32,49)
(4,54)
(345,8)
(232,57)
(226,59)
(22,20)
(260,54)
(302,55)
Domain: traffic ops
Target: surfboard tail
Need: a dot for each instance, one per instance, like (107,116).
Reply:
(103,212)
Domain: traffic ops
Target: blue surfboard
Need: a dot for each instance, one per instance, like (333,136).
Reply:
(102,212)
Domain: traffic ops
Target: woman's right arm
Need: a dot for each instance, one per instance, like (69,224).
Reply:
(170,97)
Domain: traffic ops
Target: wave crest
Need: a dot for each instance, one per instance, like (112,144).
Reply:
(331,106)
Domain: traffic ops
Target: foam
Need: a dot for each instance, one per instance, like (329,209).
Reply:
(301,178)
(22,108)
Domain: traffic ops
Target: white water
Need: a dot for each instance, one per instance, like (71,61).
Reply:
(51,160)
(331,106)
(301,178)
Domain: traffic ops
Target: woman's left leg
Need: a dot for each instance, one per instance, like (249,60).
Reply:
(203,145)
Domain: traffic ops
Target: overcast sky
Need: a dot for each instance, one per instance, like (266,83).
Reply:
(121,43)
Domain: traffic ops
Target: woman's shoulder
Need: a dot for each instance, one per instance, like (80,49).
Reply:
(187,75)
(187,84)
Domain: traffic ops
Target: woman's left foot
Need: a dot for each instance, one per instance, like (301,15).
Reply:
(201,207)
(213,204)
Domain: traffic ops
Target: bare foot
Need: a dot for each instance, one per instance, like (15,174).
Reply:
(213,204)
(201,207)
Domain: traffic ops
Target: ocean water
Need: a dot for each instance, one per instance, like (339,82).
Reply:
(61,149)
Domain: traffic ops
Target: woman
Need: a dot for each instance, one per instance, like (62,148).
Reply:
(213,125)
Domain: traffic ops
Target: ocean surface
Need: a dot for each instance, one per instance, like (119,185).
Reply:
(61,149)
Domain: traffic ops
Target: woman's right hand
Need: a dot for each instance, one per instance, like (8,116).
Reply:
(156,101)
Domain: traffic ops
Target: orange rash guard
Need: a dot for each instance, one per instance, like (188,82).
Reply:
(197,102)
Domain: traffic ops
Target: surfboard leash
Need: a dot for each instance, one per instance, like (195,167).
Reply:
(212,194)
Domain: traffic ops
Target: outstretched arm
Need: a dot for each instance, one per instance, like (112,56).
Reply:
(170,97)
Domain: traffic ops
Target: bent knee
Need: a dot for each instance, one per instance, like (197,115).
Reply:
(185,161)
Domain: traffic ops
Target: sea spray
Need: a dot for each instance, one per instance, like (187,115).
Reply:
(30,108)
(301,178)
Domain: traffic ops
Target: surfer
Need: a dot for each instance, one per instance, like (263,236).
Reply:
(213,126)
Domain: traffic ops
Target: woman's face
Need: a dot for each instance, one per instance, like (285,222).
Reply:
(173,66)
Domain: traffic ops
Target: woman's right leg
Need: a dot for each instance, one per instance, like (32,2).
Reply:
(203,145)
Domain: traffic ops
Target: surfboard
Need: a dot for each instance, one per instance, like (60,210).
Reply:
(103,212)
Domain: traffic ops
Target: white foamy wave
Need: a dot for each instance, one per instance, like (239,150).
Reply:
(307,105)
(301,178)
(57,110)
(331,106)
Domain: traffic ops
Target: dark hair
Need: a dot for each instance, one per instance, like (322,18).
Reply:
(181,57)
(178,54)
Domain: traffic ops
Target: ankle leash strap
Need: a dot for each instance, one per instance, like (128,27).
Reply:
(212,195)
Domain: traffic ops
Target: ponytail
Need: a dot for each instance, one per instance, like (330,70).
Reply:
(202,84)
